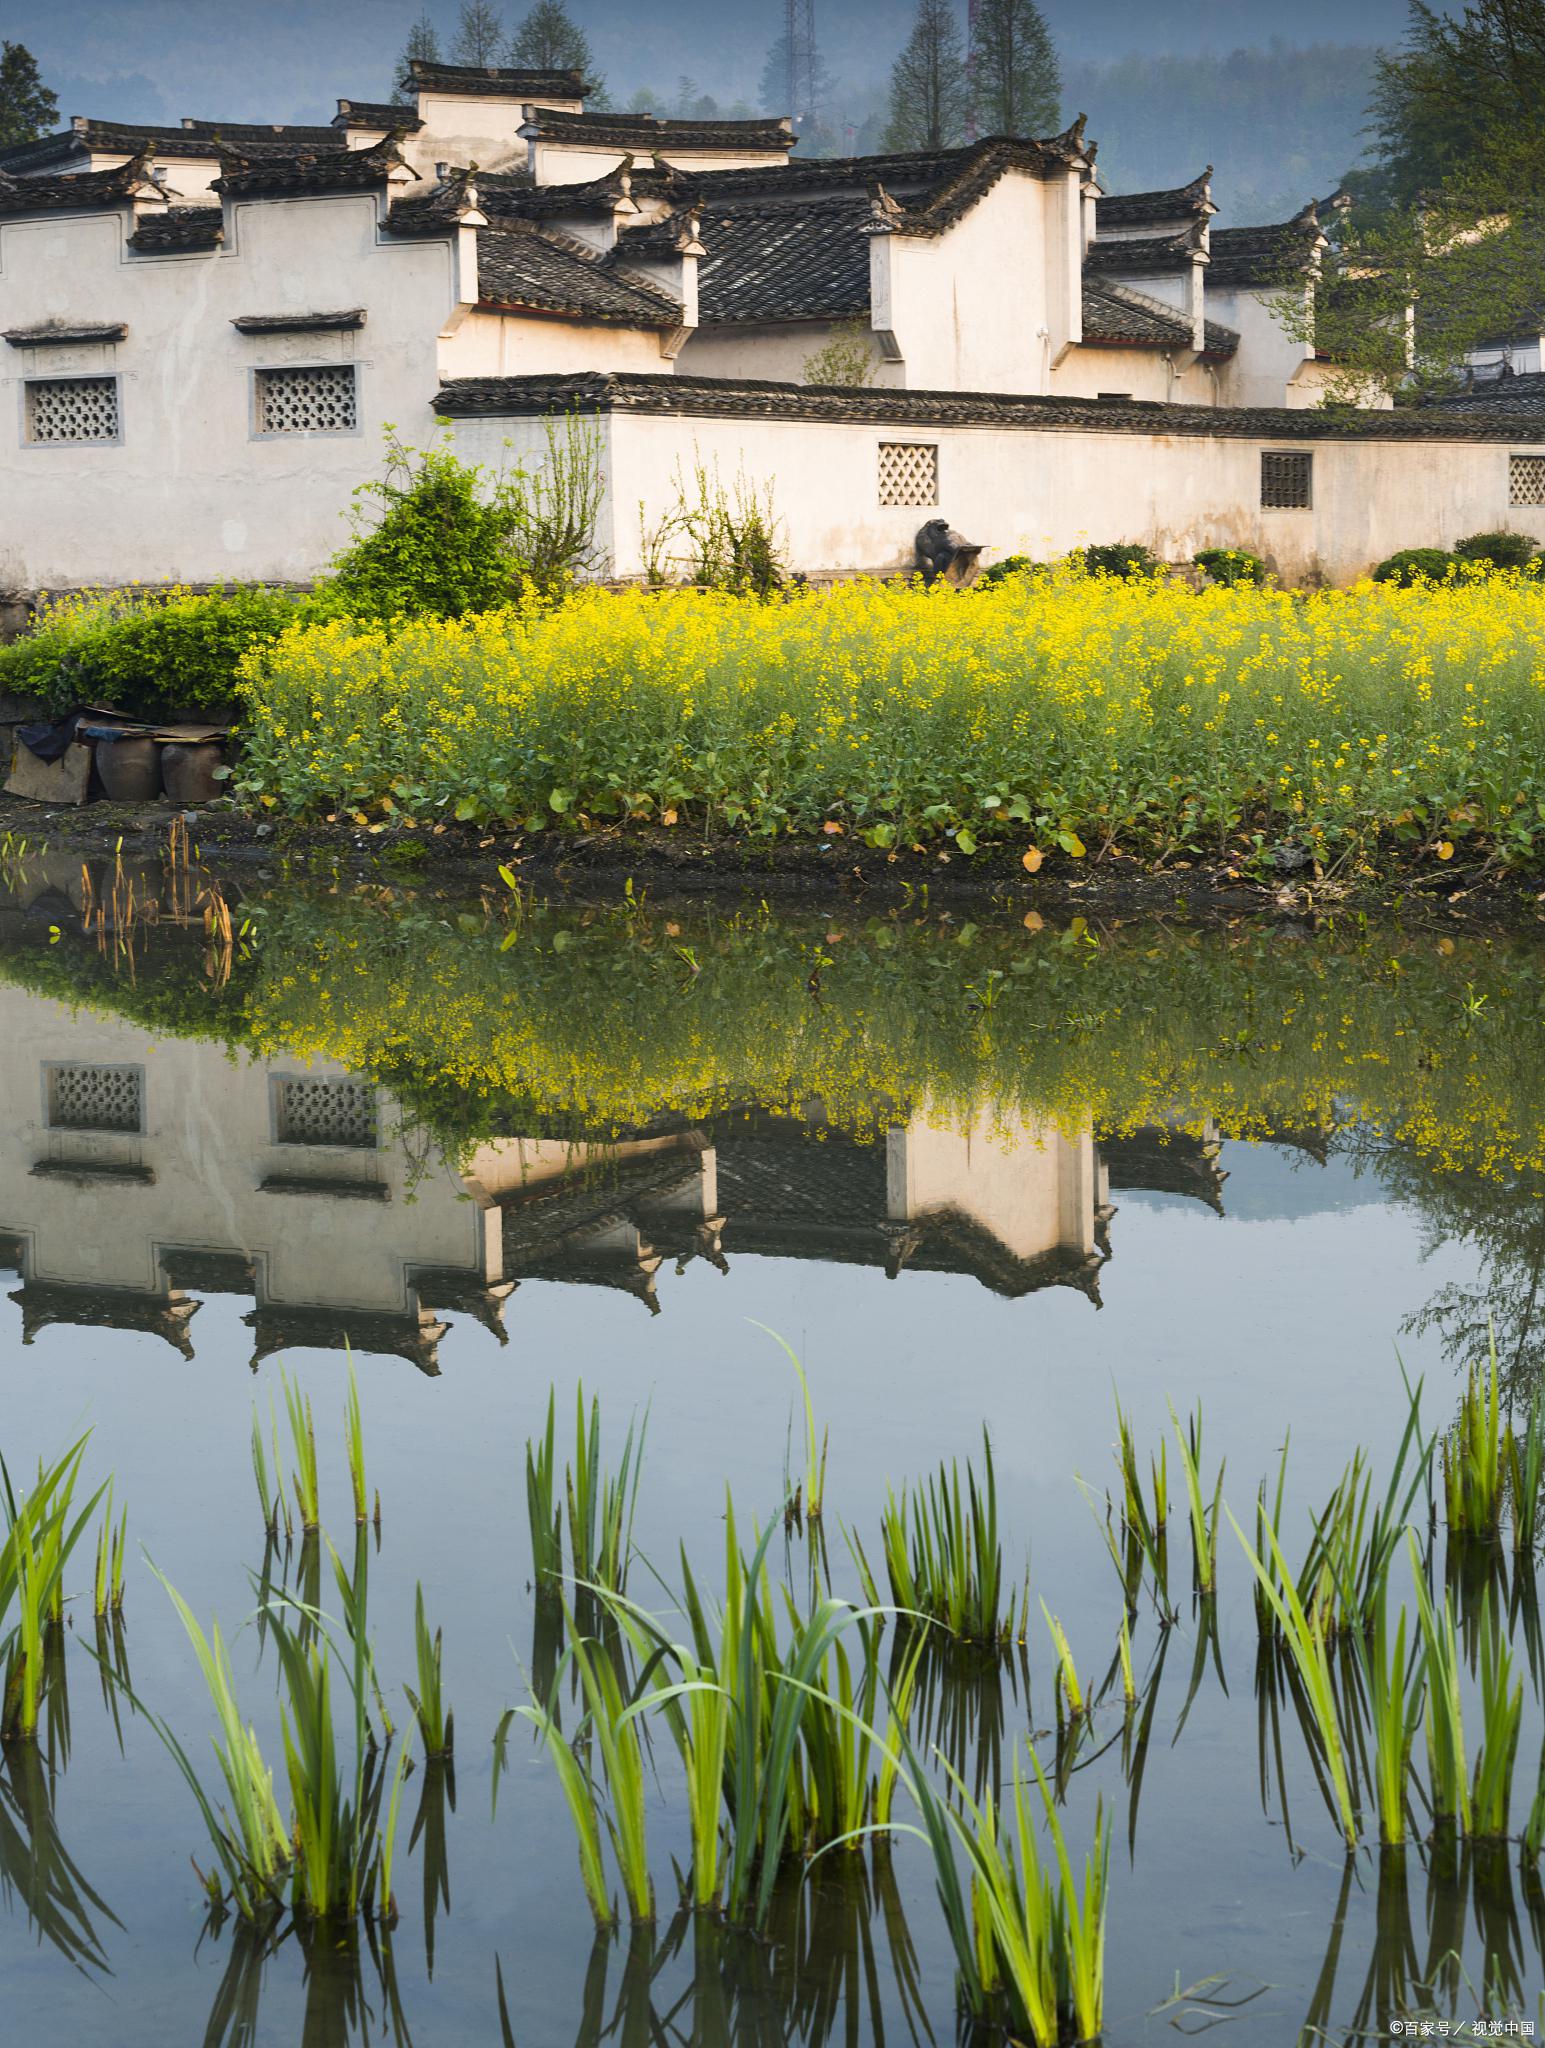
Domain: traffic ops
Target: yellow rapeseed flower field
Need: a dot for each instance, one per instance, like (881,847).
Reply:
(1053,709)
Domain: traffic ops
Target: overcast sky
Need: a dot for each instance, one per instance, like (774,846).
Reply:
(290,59)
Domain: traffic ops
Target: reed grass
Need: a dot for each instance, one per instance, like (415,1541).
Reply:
(1144,1515)
(303,1480)
(1447,1766)
(1204,1519)
(811,1494)
(543,1511)
(112,1547)
(1396,1694)
(601,1504)
(1306,1645)
(42,1528)
(1069,1689)
(1474,1459)
(943,1556)
(436,1723)
(1526,1475)
(1501,1705)
(354,1442)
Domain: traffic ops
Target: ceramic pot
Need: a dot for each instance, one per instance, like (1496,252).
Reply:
(130,770)
(188,773)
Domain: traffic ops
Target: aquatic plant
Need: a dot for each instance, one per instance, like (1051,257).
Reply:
(1501,1703)
(1447,1764)
(41,1531)
(601,1503)
(1474,1459)
(812,1487)
(544,1514)
(112,1545)
(354,1443)
(1306,1646)
(437,1725)
(303,1480)
(1204,1518)
(1526,1474)
(1069,1689)
(943,1556)
(1395,1683)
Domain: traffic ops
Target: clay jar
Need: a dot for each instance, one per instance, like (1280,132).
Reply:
(130,771)
(188,773)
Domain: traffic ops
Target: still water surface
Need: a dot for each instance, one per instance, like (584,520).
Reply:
(980,1176)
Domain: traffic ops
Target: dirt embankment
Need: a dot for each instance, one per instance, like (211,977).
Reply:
(257,848)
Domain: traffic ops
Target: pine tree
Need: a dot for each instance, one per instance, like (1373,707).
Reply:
(548,40)
(27,108)
(1016,86)
(929,94)
(423,47)
(479,34)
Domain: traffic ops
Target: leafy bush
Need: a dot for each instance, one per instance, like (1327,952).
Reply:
(1231,566)
(1127,559)
(451,540)
(150,653)
(1415,565)
(1011,565)
(1497,550)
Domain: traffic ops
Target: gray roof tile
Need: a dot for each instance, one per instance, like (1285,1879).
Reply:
(521,265)
(784,263)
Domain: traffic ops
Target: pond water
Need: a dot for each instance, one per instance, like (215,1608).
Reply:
(979,1175)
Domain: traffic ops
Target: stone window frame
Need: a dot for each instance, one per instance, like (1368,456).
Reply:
(49,1068)
(1302,456)
(24,423)
(255,430)
(279,1134)
(892,447)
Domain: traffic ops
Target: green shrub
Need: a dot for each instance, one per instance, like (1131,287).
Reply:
(1000,572)
(150,653)
(1497,550)
(1415,565)
(1231,566)
(1123,558)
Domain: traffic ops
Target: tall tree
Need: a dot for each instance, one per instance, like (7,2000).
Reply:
(549,40)
(1016,85)
(479,34)
(422,46)
(27,108)
(929,96)
(1460,101)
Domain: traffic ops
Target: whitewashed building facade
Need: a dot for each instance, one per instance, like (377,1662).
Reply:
(207,330)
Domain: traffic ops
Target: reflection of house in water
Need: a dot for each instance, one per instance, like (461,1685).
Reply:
(138,1174)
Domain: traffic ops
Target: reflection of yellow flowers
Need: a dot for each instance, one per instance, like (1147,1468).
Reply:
(1136,712)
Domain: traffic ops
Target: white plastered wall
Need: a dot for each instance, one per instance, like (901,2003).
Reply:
(500,345)
(1042,493)
(189,492)
(770,349)
(472,128)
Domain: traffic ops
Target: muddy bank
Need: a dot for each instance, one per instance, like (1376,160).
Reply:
(453,857)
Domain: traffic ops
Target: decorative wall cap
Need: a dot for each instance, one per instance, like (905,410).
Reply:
(328,168)
(626,391)
(66,334)
(299,323)
(648,133)
(178,230)
(491,81)
(1152,209)
(389,115)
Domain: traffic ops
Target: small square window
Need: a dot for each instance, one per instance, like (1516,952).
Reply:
(312,1111)
(1526,479)
(95,1098)
(323,400)
(909,473)
(1286,480)
(71,409)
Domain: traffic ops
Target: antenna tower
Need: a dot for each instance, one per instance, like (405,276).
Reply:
(799,40)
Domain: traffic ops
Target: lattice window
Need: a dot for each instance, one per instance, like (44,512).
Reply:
(1286,480)
(909,473)
(317,1112)
(315,401)
(1526,479)
(95,1098)
(72,409)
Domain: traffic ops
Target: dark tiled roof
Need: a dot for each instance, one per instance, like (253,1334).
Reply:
(784,263)
(1152,209)
(490,82)
(660,240)
(647,133)
(190,138)
(901,172)
(179,228)
(299,323)
(879,405)
(1517,394)
(258,135)
(1264,256)
(1114,314)
(519,264)
(328,169)
(514,195)
(389,114)
(61,333)
(1141,255)
(75,194)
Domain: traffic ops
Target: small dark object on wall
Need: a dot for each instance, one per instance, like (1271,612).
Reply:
(940,551)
